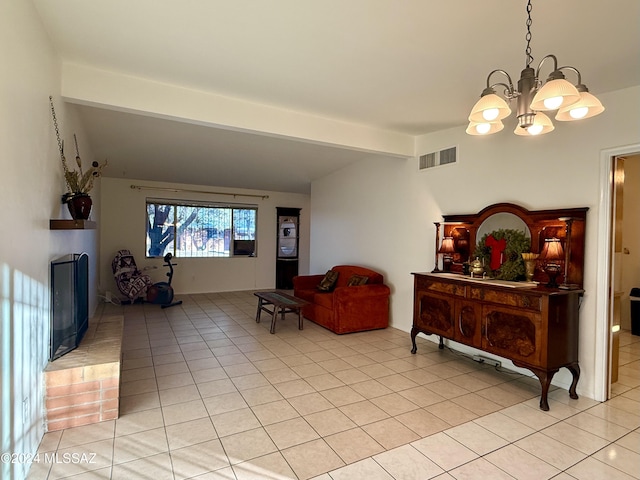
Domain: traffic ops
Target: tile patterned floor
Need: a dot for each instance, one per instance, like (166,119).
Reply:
(209,394)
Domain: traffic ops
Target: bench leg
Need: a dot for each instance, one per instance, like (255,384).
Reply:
(274,316)
(259,310)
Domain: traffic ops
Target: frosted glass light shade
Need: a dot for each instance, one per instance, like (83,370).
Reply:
(490,108)
(484,128)
(588,106)
(541,125)
(555,94)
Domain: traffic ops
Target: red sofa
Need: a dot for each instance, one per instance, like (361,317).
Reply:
(345,309)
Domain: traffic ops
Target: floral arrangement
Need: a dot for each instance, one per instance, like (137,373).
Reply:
(78,181)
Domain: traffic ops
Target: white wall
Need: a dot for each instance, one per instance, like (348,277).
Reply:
(381,213)
(31,185)
(123,227)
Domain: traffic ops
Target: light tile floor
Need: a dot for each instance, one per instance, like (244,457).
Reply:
(209,394)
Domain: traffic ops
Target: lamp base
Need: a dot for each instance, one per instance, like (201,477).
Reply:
(552,271)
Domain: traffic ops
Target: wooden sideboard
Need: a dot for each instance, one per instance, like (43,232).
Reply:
(533,326)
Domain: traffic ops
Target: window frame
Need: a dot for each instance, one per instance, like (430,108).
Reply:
(237,248)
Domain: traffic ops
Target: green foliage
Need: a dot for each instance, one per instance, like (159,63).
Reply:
(513,266)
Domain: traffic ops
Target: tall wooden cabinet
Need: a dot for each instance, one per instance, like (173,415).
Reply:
(533,326)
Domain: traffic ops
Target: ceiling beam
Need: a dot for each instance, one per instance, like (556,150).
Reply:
(104,89)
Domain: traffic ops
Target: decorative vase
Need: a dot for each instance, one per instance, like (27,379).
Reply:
(529,265)
(79,206)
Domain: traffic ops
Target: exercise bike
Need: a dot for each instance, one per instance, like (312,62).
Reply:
(162,292)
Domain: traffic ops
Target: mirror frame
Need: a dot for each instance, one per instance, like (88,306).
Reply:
(567,224)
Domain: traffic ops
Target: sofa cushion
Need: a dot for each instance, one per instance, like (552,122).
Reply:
(328,283)
(357,280)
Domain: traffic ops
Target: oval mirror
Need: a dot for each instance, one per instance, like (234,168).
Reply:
(502,221)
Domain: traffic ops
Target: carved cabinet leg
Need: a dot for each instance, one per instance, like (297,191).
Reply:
(414,332)
(545,378)
(574,368)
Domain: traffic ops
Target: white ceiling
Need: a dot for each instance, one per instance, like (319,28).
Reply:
(412,67)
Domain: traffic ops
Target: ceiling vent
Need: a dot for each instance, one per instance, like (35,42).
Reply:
(443,157)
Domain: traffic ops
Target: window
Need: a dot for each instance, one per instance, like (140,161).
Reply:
(188,229)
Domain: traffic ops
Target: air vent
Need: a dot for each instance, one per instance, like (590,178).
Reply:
(443,157)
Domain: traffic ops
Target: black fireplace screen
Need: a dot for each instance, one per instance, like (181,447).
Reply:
(69,303)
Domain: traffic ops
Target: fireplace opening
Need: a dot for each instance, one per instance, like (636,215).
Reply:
(69,303)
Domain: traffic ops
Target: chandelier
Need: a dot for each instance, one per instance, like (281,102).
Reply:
(533,98)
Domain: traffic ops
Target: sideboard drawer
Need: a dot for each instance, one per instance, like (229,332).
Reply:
(512,299)
(425,284)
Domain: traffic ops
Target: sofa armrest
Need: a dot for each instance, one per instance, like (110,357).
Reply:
(364,307)
(306,282)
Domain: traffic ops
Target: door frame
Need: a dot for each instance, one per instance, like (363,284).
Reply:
(604,293)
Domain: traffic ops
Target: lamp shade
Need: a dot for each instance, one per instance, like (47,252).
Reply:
(552,251)
(484,128)
(555,94)
(447,246)
(490,108)
(588,106)
(541,124)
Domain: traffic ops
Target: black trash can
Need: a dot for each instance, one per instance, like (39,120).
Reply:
(635,311)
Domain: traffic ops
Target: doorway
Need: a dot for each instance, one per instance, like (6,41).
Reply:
(619,262)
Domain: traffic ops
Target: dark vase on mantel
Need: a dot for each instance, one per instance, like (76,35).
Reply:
(79,206)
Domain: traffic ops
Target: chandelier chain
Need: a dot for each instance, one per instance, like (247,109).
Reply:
(528,35)
(55,124)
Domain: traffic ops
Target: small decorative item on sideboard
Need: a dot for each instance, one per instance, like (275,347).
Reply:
(477,268)
(78,181)
(530,264)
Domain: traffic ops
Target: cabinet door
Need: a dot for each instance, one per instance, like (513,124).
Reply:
(435,314)
(468,323)
(512,333)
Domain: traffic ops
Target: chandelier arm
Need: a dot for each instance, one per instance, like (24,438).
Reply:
(555,64)
(509,92)
(575,70)
(509,87)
